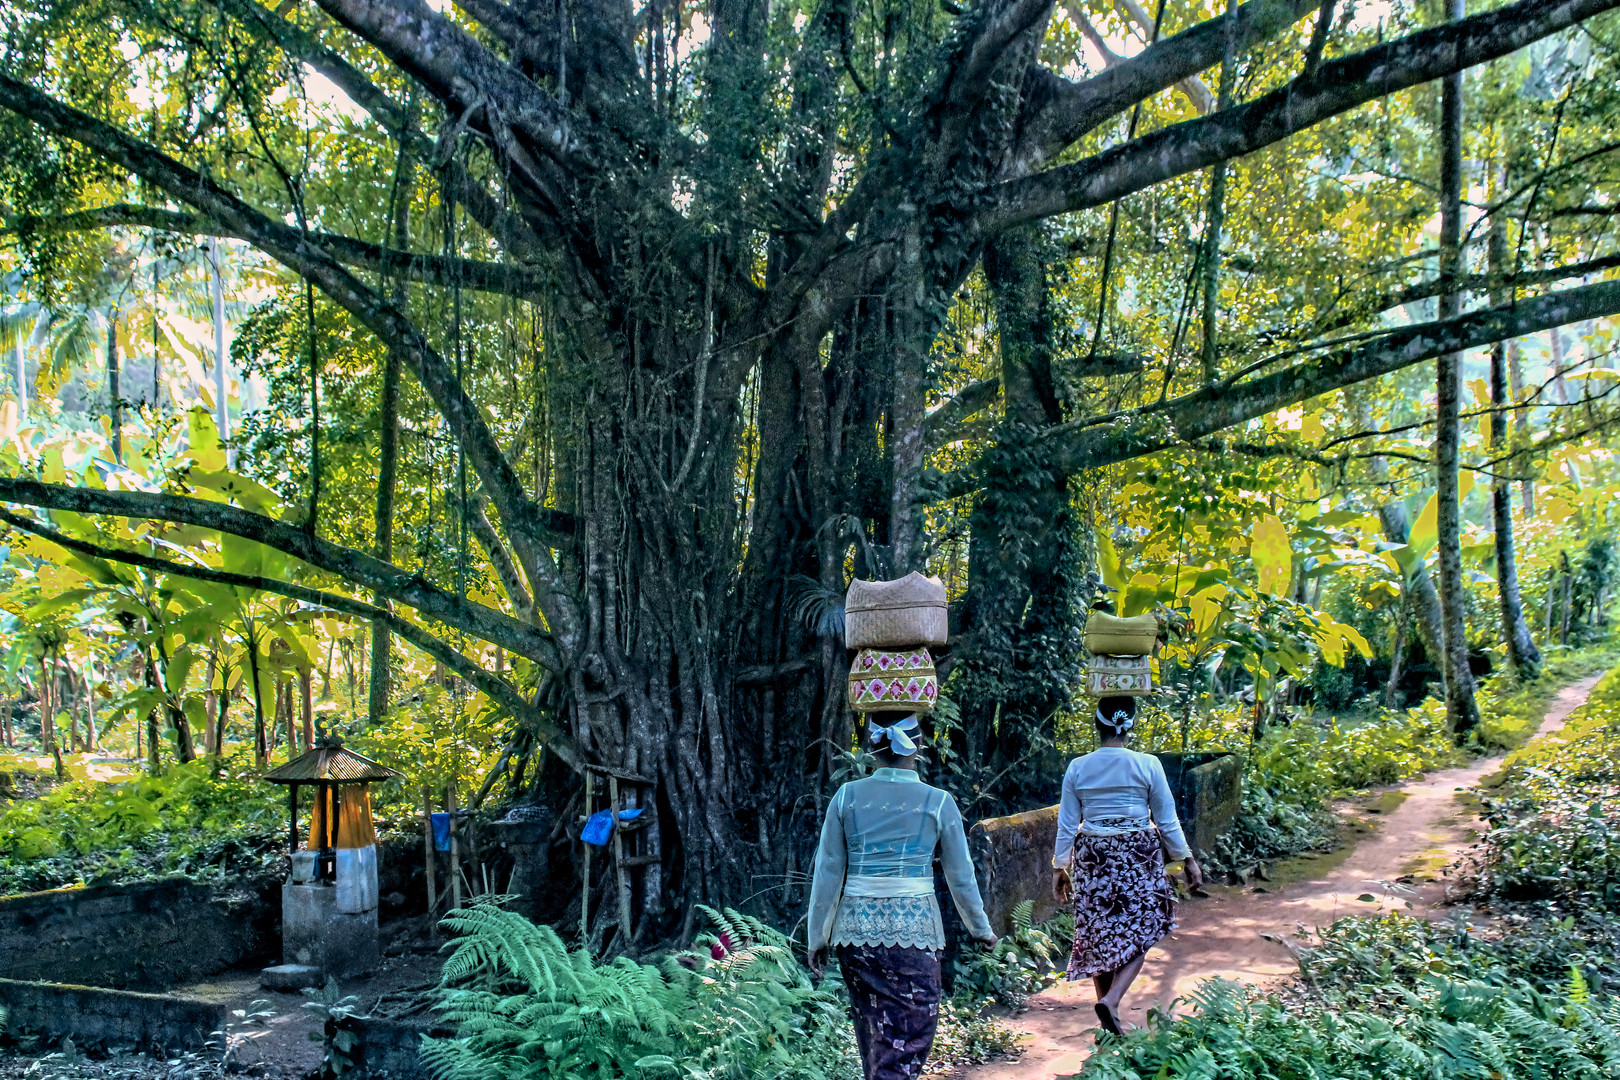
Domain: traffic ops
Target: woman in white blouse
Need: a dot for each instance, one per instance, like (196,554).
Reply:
(1116,823)
(872,899)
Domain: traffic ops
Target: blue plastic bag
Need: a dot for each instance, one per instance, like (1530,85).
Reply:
(441,832)
(598,828)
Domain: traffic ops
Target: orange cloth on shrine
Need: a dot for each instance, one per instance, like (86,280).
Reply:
(353,819)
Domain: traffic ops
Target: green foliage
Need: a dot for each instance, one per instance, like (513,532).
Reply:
(1025,962)
(334,1009)
(1553,817)
(525,1006)
(186,821)
(1471,1030)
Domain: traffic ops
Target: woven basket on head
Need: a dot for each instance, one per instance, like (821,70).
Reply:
(1107,635)
(895,614)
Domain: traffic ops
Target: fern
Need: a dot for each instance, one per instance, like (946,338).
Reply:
(527,1008)
(1578,990)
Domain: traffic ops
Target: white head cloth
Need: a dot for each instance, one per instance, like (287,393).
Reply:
(899,742)
(1119,723)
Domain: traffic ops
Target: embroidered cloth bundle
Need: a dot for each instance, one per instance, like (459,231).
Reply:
(1121,654)
(890,625)
(886,679)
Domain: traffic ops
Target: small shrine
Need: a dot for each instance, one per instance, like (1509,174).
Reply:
(329,900)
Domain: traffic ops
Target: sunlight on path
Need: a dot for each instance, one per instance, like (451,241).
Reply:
(1403,843)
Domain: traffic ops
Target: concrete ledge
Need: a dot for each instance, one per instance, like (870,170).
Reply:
(391,1049)
(152,935)
(92,1016)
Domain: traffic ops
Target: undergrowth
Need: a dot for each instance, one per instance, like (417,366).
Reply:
(189,821)
(1399,998)
(1294,772)
(1554,812)
(1463,1030)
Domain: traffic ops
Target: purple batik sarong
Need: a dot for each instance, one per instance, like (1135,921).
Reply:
(894,995)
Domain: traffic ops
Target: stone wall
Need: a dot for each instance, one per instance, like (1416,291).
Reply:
(150,936)
(1013,857)
(93,1016)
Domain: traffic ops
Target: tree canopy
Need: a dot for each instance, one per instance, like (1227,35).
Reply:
(708,306)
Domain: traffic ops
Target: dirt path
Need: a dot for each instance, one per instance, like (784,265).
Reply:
(1398,842)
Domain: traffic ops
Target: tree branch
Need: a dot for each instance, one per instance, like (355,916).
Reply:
(493,686)
(1424,290)
(942,425)
(499,278)
(393,328)
(356,567)
(1192,87)
(304,46)
(1337,87)
(1091,444)
(463,74)
(1067,109)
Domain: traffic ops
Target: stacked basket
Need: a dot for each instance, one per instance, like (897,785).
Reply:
(1121,655)
(891,625)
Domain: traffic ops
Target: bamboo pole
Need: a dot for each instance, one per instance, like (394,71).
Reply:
(618,863)
(585,872)
(427,847)
(455,851)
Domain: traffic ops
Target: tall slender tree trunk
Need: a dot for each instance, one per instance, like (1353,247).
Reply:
(20,363)
(47,705)
(224,700)
(1462,714)
(1555,353)
(260,750)
(115,407)
(154,738)
(184,745)
(1522,651)
(306,688)
(1569,596)
(1215,218)
(90,740)
(222,409)
(1397,652)
(211,707)
(379,686)
(1521,421)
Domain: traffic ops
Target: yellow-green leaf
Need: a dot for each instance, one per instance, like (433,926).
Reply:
(1272,554)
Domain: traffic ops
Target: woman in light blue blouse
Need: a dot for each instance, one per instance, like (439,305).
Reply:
(872,899)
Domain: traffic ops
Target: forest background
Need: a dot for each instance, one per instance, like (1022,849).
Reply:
(516,388)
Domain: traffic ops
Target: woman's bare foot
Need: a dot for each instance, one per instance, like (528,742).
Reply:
(1109,1018)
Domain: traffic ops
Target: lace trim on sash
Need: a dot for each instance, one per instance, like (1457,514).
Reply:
(903,921)
(1113,826)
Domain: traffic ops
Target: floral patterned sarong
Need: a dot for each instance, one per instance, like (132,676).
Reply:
(1123,900)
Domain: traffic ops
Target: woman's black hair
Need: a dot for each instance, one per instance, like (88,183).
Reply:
(1115,715)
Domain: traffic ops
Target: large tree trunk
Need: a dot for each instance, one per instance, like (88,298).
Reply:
(1522,651)
(1462,714)
(1019,627)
